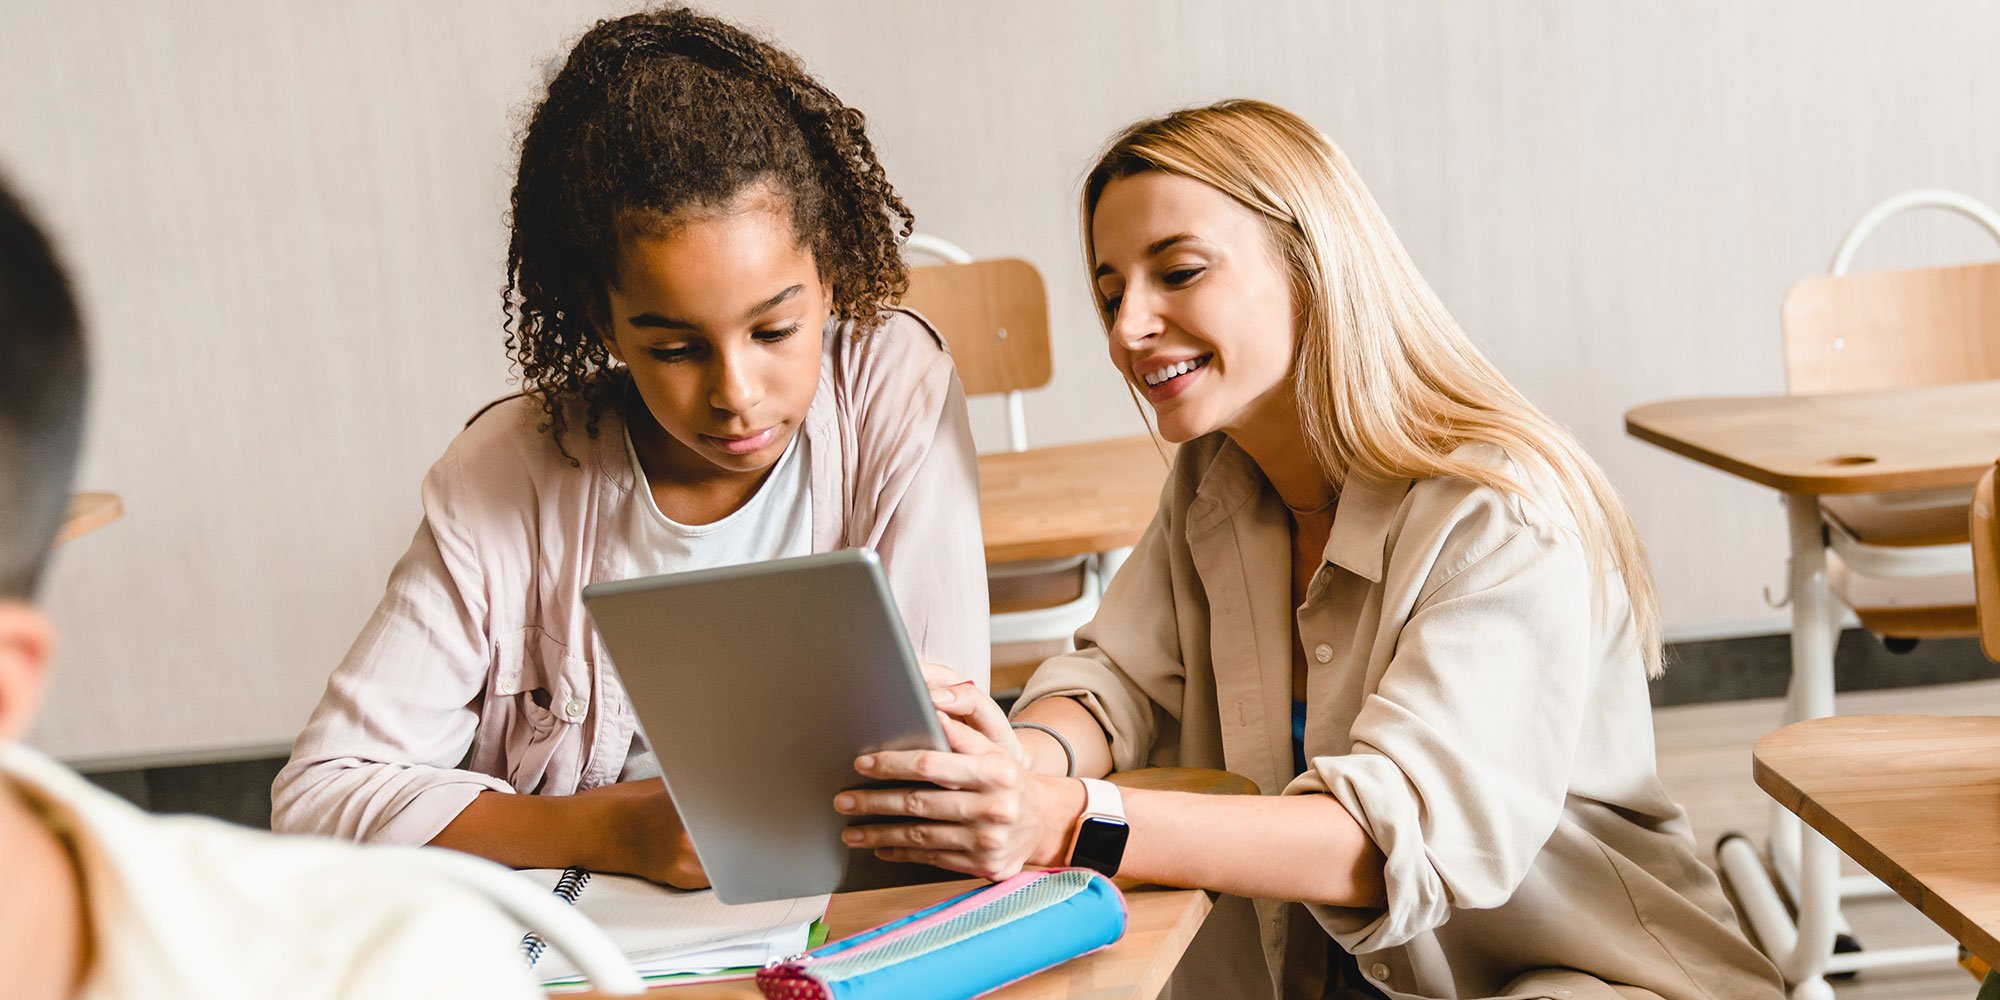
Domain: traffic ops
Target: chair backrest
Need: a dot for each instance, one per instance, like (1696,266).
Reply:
(1895,329)
(995,316)
(1986,563)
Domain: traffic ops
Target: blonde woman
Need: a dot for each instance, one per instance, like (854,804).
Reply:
(1380,582)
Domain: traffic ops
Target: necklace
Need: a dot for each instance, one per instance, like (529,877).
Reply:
(1321,509)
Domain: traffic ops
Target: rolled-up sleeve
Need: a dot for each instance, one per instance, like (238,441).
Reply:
(1461,757)
(378,760)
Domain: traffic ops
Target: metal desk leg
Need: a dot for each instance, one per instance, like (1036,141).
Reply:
(1800,950)
(1808,866)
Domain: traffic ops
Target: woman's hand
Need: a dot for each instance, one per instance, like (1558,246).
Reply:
(960,698)
(983,812)
(645,836)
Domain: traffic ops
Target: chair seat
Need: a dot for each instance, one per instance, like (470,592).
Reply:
(1899,520)
(1011,588)
(1054,587)
(1917,607)
(1960,622)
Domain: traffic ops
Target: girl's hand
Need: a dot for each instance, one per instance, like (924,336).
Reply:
(645,835)
(984,813)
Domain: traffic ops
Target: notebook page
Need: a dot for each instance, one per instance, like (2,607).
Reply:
(669,930)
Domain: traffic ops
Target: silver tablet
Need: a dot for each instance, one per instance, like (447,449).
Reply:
(757,686)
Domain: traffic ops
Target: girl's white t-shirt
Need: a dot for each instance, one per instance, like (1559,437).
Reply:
(775,523)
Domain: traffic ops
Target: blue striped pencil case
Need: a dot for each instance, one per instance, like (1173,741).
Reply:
(963,947)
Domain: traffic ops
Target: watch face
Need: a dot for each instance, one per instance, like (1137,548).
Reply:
(1100,844)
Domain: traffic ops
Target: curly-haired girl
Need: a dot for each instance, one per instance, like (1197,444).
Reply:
(703,261)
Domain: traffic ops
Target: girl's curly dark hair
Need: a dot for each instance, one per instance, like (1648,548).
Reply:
(661,111)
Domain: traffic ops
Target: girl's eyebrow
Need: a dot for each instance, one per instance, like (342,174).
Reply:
(1152,249)
(655,320)
(773,302)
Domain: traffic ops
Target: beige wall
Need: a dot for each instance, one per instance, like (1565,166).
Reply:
(287,217)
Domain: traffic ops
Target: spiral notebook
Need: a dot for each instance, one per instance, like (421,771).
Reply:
(673,934)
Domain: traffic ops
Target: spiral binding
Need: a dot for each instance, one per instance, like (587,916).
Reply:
(567,889)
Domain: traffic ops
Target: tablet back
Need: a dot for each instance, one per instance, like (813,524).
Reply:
(757,686)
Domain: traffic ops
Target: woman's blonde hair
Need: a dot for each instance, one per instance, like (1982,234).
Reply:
(1387,383)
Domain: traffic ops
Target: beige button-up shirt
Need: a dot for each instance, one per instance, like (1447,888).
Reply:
(1474,698)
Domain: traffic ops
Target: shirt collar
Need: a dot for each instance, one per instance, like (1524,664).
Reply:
(1359,539)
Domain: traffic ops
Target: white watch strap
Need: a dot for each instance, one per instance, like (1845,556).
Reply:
(1101,798)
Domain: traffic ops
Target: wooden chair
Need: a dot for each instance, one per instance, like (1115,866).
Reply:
(1900,561)
(1986,562)
(995,316)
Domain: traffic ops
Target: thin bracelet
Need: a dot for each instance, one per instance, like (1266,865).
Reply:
(1069,755)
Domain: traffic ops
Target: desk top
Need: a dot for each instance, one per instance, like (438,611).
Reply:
(1160,921)
(1865,442)
(1159,924)
(1069,500)
(1914,798)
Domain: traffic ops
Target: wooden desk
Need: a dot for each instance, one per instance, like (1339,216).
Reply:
(1866,442)
(1160,921)
(1914,799)
(1069,500)
(1809,447)
(87,513)
(1159,924)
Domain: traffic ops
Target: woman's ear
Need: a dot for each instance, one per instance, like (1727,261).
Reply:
(27,644)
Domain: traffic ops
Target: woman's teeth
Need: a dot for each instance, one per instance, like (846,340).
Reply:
(1171,371)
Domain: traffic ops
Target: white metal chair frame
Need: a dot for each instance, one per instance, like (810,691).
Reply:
(1802,861)
(1906,561)
(1039,624)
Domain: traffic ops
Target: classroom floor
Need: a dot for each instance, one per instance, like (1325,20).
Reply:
(1705,760)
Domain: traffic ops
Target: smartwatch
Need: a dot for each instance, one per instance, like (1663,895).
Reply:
(1099,840)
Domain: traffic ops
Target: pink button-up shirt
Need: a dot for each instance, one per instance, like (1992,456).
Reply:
(480,671)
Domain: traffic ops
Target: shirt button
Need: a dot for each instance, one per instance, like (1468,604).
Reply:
(1323,652)
(575,709)
(1379,973)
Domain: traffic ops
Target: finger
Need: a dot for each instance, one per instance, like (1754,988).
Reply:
(920,803)
(966,739)
(936,767)
(922,836)
(939,676)
(974,707)
(945,683)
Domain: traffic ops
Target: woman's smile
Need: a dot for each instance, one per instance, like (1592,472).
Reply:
(1164,378)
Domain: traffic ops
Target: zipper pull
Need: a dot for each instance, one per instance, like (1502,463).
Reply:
(799,959)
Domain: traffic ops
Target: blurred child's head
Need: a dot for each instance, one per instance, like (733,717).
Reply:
(41,423)
(691,207)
